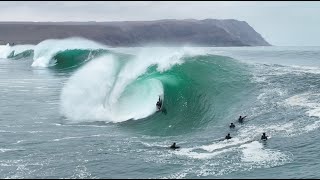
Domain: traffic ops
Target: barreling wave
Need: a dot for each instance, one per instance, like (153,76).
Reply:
(197,88)
(66,53)
(16,52)
(56,53)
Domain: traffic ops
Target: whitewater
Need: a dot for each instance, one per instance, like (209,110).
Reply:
(75,108)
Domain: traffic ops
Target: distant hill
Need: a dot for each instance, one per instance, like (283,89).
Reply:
(208,32)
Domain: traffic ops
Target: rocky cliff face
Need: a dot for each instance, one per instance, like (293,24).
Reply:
(208,32)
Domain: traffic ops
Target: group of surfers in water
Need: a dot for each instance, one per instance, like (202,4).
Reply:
(240,120)
(232,126)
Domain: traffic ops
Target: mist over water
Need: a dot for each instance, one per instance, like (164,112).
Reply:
(73,108)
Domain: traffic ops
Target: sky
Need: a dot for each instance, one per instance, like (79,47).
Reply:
(281,23)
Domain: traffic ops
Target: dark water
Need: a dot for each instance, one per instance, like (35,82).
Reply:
(276,87)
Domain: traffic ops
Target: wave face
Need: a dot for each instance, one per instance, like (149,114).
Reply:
(65,53)
(117,86)
(197,88)
(16,52)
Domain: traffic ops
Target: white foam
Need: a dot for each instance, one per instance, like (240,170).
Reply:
(86,95)
(178,175)
(65,138)
(155,144)
(83,95)
(19,141)
(224,144)
(195,155)
(314,112)
(33,132)
(298,100)
(6,150)
(5,51)
(304,69)
(254,152)
(306,100)
(252,131)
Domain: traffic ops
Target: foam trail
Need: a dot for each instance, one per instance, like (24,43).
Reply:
(254,152)
(204,156)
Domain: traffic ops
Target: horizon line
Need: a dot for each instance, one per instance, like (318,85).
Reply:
(129,20)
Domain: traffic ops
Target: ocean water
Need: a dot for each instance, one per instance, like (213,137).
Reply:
(74,108)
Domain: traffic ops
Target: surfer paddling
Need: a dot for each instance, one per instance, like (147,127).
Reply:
(241,119)
(173,146)
(228,136)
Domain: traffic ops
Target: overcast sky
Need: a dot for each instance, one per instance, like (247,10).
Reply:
(280,23)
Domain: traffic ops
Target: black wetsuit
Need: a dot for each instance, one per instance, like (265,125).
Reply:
(241,119)
(159,103)
(232,126)
(264,137)
(228,137)
(173,146)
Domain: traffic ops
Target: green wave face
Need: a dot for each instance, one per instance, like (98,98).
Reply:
(74,58)
(196,93)
(22,55)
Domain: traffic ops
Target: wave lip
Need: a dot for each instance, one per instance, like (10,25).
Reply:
(83,95)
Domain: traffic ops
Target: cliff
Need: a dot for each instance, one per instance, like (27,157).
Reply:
(208,32)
